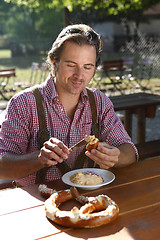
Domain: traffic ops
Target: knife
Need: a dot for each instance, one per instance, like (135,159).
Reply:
(81,143)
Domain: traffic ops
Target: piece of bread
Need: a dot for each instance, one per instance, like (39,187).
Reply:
(92,142)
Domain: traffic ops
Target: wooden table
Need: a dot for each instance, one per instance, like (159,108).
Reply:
(142,104)
(135,190)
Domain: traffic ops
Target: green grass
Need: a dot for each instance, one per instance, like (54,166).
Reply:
(5,53)
(23,69)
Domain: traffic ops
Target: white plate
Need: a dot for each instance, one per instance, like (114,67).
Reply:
(107,176)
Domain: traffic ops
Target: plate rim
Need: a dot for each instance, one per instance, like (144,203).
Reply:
(88,169)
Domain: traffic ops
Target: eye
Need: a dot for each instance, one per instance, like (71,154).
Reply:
(88,67)
(71,65)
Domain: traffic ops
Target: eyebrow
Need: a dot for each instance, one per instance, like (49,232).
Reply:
(86,64)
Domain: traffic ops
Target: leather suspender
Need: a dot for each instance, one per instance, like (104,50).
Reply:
(94,131)
(43,135)
(95,127)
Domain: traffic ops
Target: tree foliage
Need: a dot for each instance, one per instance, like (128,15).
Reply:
(28,28)
(34,20)
(113,7)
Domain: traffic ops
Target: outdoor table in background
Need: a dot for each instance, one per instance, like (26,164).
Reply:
(142,104)
(135,190)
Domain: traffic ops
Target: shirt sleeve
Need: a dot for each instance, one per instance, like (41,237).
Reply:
(15,133)
(111,127)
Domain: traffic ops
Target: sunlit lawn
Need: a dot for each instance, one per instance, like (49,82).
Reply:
(22,64)
(23,67)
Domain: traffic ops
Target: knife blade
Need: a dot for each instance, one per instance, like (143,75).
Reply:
(81,143)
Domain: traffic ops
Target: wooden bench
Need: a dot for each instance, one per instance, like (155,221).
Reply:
(5,75)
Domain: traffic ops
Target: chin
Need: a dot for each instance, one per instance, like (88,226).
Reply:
(76,90)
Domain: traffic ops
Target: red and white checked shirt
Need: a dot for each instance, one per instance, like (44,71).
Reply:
(19,130)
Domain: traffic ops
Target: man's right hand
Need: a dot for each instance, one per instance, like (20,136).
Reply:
(53,151)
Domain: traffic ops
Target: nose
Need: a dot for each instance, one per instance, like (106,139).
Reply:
(78,73)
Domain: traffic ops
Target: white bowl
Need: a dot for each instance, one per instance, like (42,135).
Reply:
(107,176)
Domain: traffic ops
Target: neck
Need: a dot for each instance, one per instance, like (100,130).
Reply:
(69,102)
(70,106)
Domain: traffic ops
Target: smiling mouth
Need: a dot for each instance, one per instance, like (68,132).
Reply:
(77,83)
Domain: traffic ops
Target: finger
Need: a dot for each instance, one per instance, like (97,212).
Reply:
(104,166)
(108,150)
(102,159)
(60,144)
(104,144)
(45,161)
(55,150)
(50,155)
(104,155)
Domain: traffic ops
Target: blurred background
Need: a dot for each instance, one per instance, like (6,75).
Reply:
(130,58)
(129,31)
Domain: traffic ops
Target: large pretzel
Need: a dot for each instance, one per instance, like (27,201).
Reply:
(95,212)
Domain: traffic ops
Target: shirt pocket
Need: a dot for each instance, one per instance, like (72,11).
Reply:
(85,128)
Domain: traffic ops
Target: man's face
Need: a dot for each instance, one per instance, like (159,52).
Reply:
(75,68)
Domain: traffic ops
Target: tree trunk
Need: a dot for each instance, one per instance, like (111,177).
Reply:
(66,17)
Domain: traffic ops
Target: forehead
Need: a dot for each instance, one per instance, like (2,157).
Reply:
(75,50)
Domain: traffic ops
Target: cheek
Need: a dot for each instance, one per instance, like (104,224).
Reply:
(63,73)
(90,74)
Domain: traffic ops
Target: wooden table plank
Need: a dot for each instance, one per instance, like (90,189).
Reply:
(137,171)
(132,173)
(135,190)
(132,197)
(138,225)
(27,225)
(17,199)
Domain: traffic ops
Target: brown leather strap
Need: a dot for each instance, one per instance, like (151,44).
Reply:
(94,131)
(95,128)
(43,135)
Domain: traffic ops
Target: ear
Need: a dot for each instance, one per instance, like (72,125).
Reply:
(54,64)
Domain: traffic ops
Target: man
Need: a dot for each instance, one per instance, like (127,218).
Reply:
(73,58)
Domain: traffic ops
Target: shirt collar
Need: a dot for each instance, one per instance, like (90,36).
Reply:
(49,89)
(84,95)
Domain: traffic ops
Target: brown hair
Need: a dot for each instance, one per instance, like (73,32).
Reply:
(79,33)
